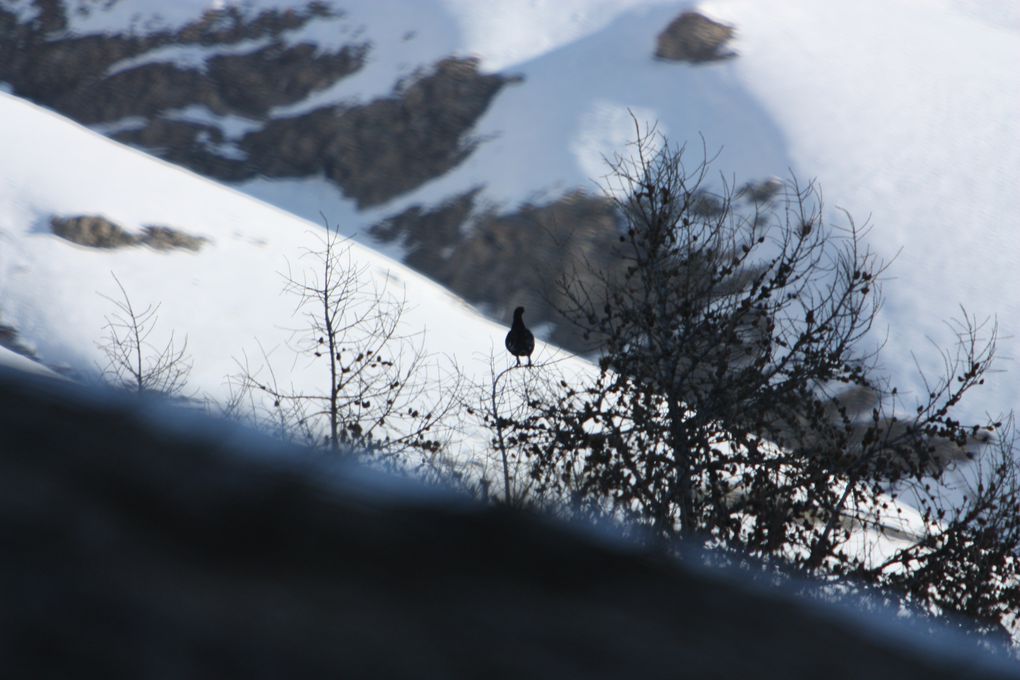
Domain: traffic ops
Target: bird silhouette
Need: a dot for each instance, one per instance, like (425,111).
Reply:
(519,341)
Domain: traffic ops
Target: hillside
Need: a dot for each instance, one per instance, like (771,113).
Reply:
(227,297)
(472,126)
(185,162)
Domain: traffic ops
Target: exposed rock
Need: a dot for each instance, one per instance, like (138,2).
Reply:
(134,548)
(695,38)
(248,84)
(193,145)
(96,231)
(50,16)
(229,25)
(71,73)
(373,152)
(142,91)
(57,73)
(429,237)
(168,238)
(276,75)
(387,147)
(502,260)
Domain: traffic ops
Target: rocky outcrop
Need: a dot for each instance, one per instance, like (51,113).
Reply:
(93,231)
(500,260)
(142,541)
(429,237)
(387,147)
(96,231)
(72,73)
(189,144)
(248,84)
(167,238)
(694,38)
(373,151)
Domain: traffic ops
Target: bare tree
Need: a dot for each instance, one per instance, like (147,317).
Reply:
(960,549)
(500,407)
(734,402)
(711,319)
(379,389)
(133,361)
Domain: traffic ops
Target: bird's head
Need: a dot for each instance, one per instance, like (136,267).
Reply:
(519,312)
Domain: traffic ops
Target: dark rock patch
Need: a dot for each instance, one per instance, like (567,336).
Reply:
(247,84)
(96,231)
(93,231)
(373,152)
(70,73)
(229,25)
(380,150)
(276,75)
(50,16)
(517,258)
(695,38)
(142,91)
(501,260)
(190,144)
(59,72)
(168,238)
(429,237)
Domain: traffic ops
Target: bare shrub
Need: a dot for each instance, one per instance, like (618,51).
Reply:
(133,361)
(735,404)
(378,390)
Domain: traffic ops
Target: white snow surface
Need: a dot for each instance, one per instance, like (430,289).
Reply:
(226,298)
(906,111)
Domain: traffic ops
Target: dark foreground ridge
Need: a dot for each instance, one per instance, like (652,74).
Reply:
(141,541)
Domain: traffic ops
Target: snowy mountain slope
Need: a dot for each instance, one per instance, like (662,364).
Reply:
(898,129)
(865,97)
(917,139)
(225,298)
(906,111)
(548,134)
(583,66)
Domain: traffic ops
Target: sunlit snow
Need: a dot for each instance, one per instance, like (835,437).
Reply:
(907,111)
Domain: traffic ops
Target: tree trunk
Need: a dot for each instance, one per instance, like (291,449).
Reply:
(682,489)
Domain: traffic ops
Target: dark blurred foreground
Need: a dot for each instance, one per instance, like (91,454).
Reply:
(140,541)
